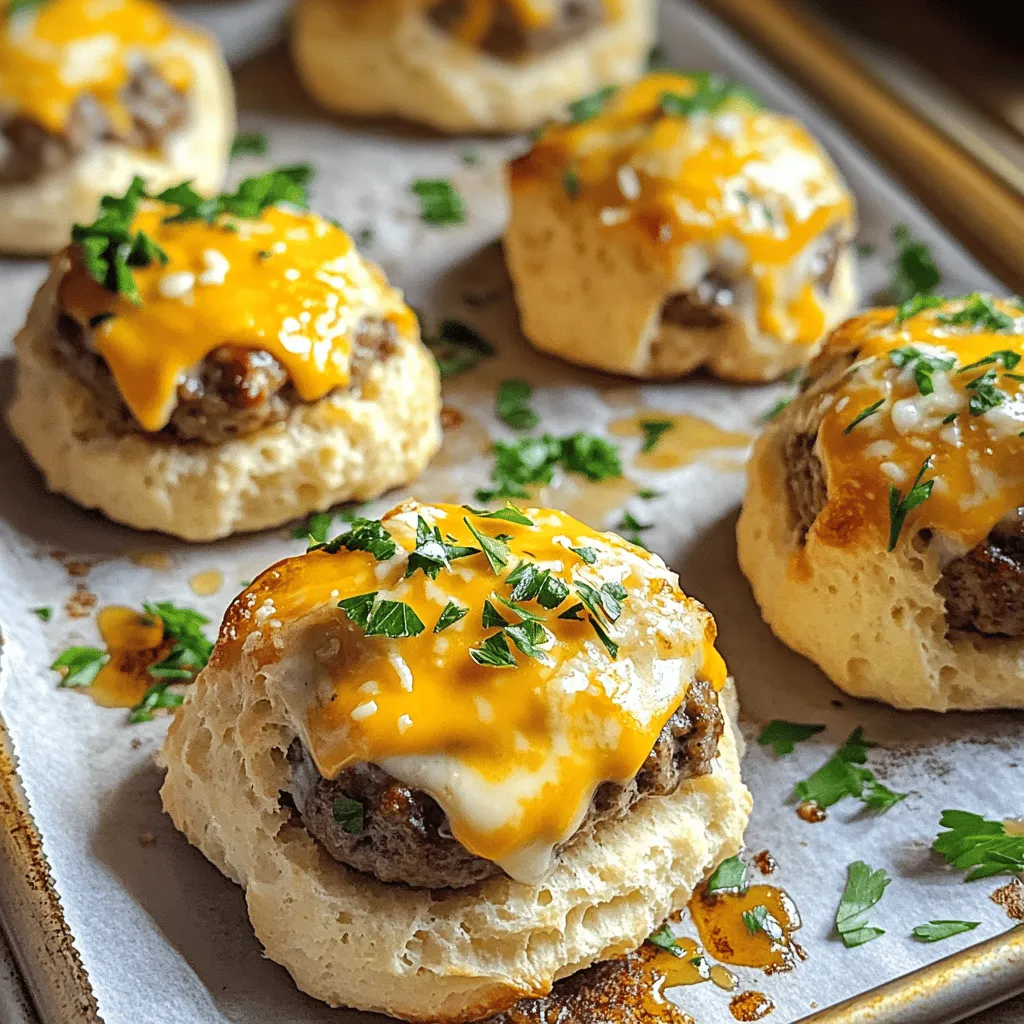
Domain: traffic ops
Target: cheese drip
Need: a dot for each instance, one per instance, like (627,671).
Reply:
(751,188)
(975,458)
(62,49)
(512,755)
(289,283)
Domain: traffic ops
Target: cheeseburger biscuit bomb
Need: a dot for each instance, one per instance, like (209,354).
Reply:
(204,366)
(93,93)
(888,500)
(468,65)
(453,756)
(680,226)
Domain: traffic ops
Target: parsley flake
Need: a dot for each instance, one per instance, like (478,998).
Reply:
(394,619)
(571,183)
(513,407)
(358,608)
(710,93)
(43,613)
(863,415)
(609,644)
(783,736)
(440,202)
(776,410)
(531,637)
(653,429)
(493,652)
(900,505)
(82,665)
(430,554)
(495,551)
(913,269)
(936,931)
(509,514)
(864,889)
(916,304)
(979,313)
(190,650)
(981,848)
(729,876)
(664,939)
(156,697)
(491,617)
(349,814)
(761,919)
(457,348)
(630,529)
(365,535)
(589,555)
(315,528)
(249,144)
(922,366)
(985,395)
(450,614)
(587,107)
(844,775)
(1005,357)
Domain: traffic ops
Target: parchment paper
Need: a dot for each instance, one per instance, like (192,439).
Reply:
(163,936)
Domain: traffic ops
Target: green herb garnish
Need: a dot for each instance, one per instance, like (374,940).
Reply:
(844,775)
(783,736)
(923,366)
(985,394)
(156,697)
(981,848)
(358,608)
(450,614)
(664,939)
(394,619)
(43,613)
(82,664)
(916,304)
(902,504)
(913,269)
(864,888)
(776,410)
(440,202)
(495,551)
(249,144)
(457,348)
(365,535)
(760,919)
(729,876)
(979,313)
(191,649)
(653,429)
(587,107)
(711,92)
(936,931)
(348,813)
(630,529)
(589,555)
(571,183)
(863,415)
(315,528)
(508,514)
(513,407)
(493,653)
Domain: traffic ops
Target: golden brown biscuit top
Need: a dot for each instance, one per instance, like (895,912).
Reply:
(55,51)
(923,430)
(505,663)
(279,279)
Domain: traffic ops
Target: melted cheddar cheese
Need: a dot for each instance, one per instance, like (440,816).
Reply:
(751,188)
(52,54)
(289,283)
(966,420)
(513,755)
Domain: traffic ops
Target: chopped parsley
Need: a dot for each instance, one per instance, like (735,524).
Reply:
(609,644)
(864,889)
(711,92)
(843,775)
(776,410)
(979,314)
(457,348)
(605,602)
(252,196)
(863,415)
(358,608)
(365,535)
(469,157)
(664,939)
(729,876)
(81,665)
(495,551)
(190,650)
(1006,358)
(783,736)
(902,504)
(531,637)
(760,919)
(532,584)
(653,429)
(571,183)
(513,407)
(589,555)
(913,269)
(365,236)
(349,814)
(509,514)
(431,553)
(393,619)
(916,304)
(587,107)
(630,529)
(440,202)
(985,394)
(592,456)
(491,617)
(156,697)
(249,144)
(936,931)
(493,652)
(980,847)
(315,528)
(450,614)
(922,365)
(43,613)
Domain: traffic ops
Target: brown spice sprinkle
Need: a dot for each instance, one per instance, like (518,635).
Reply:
(625,991)
(81,603)
(765,862)
(451,418)
(810,812)
(76,567)
(749,1006)
(1011,898)
(147,839)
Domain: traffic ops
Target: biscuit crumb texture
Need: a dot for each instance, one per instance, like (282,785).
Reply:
(445,955)
(592,294)
(36,216)
(385,58)
(345,447)
(873,622)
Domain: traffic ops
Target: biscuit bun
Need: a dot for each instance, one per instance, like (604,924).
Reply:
(936,622)
(352,444)
(36,215)
(385,57)
(630,258)
(443,954)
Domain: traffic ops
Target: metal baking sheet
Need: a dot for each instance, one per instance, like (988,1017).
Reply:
(160,932)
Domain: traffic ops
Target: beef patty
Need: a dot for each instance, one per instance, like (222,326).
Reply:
(405,836)
(508,38)
(709,304)
(27,150)
(983,590)
(234,391)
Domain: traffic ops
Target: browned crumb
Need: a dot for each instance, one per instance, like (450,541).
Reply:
(748,1006)
(765,862)
(451,418)
(1011,898)
(810,812)
(135,743)
(147,839)
(81,603)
